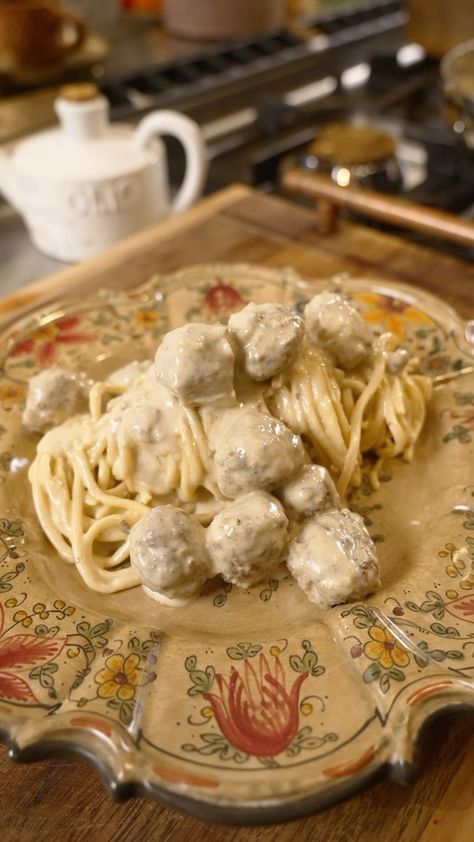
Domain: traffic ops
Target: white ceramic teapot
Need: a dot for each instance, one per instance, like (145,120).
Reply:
(88,183)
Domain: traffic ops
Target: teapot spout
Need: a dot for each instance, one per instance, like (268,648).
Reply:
(7,180)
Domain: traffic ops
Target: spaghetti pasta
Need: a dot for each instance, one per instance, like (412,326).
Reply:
(96,475)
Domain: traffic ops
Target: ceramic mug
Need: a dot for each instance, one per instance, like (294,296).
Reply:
(38,32)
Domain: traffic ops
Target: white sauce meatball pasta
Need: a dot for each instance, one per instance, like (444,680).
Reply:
(201,431)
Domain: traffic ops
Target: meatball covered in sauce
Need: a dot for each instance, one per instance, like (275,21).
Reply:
(334,324)
(311,490)
(153,421)
(255,452)
(268,337)
(196,363)
(246,540)
(54,395)
(129,374)
(167,550)
(333,559)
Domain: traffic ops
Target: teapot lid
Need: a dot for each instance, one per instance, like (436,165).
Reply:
(86,146)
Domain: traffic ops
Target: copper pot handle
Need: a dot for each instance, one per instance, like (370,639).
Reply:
(330,198)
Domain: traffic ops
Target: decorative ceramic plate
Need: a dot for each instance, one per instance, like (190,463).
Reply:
(244,706)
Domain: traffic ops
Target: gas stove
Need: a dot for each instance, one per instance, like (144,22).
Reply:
(264,101)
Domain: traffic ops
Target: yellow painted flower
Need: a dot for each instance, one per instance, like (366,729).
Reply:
(12,393)
(45,333)
(119,678)
(147,318)
(392,313)
(384,648)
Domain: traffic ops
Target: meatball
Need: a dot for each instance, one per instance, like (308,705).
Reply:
(255,451)
(311,491)
(268,337)
(333,558)
(167,550)
(129,374)
(334,324)
(246,539)
(53,396)
(196,363)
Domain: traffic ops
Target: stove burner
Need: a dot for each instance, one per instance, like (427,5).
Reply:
(346,145)
(351,154)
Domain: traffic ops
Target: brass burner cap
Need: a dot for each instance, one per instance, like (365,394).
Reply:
(341,143)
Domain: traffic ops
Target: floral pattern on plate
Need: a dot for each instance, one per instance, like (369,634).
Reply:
(239,701)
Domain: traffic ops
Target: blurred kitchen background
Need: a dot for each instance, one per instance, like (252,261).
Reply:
(361,91)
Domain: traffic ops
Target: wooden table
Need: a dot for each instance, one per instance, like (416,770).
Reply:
(65,798)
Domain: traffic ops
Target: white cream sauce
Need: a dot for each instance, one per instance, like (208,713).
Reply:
(187,431)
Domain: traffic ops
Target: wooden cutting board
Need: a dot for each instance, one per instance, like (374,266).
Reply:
(64,798)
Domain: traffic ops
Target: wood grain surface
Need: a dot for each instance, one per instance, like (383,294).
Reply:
(65,799)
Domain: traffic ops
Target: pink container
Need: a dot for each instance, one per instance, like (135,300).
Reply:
(221,19)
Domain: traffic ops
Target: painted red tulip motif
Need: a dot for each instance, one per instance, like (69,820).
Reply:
(222,299)
(253,708)
(19,652)
(44,342)
(462,608)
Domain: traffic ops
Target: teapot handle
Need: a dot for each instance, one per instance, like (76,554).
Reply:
(189,134)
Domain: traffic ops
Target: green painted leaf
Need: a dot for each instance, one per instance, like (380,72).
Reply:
(201,682)
(101,628)
(14,528)
(126,712)
(447,631)
(371,673)
(293,750)
(396,674)
(296,663)
(385,683)
(5,460)
(243,650)
(422,662)
(362,622)
(310,659)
